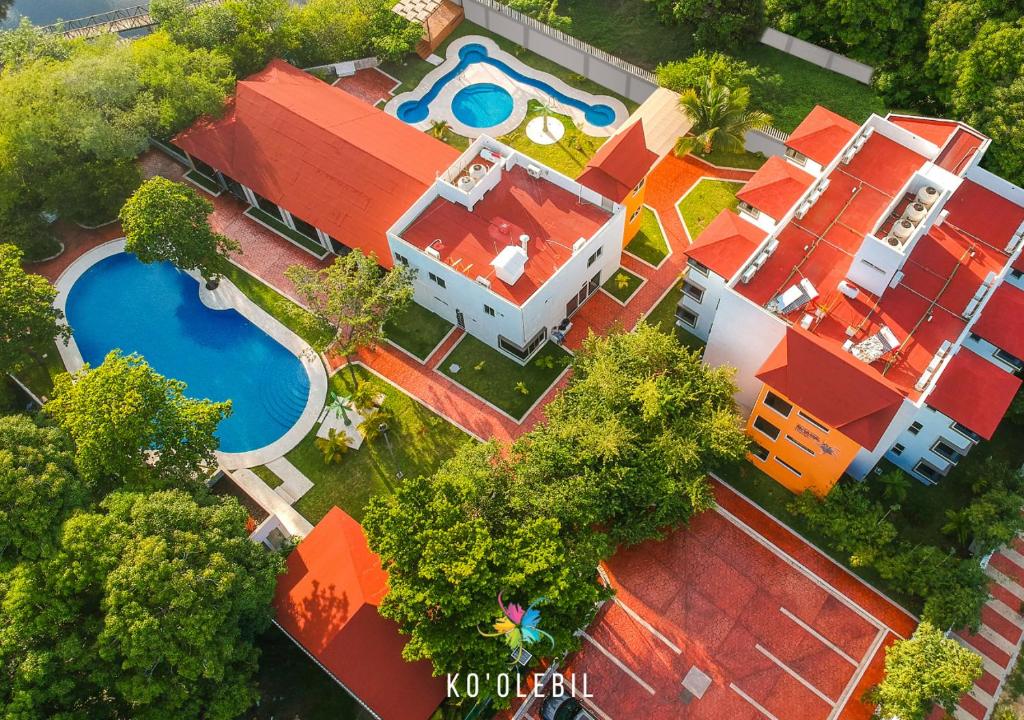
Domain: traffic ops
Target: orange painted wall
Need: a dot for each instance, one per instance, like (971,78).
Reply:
(828,452)
(633,202)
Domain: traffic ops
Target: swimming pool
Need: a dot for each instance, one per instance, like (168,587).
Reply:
(155,310)
(484,105)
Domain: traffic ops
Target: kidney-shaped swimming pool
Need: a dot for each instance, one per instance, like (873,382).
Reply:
(155,310)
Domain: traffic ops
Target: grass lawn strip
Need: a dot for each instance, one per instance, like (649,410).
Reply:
(419,441)
(569,155)
(268,476)
(708,197)
(417,330)
(649,243)
(294,317)
(663,317)
(499,380)
(622,284)
(741,161)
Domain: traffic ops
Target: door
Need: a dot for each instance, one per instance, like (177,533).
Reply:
(460,319)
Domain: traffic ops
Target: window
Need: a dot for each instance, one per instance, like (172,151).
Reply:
(520,352)
(639,186)
(789,467)
(697,267)
(593,258)
(798,158)
(305,228)
(266,206)
(759,452)
(402,259)
(897,449)
(435,279)
(873,266)
(749,209)
(766,427)
(687,316)
(927,471)
(1016,274)
(965,431)
(635,214)
(696,292)
(1007,358)
(915,428)
(799,444)
(812,421)
(944,450)
(974,337)
(488,310)
(777,404)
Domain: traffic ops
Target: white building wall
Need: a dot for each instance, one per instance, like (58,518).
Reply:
(743,336)
(918,446)
(867,459)
(987,350)
(714,287)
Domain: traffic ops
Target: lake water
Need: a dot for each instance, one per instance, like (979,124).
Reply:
(45,12)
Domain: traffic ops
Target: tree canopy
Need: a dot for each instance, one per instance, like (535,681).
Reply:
(148,609)
(133,427)
(716,24)
(720,117)
(924,671)
(29,322)
(168,221)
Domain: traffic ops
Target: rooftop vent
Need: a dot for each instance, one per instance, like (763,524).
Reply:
(975,302)
(578,245)
(524,243)
(433,252)
(510,264)
(1016,240)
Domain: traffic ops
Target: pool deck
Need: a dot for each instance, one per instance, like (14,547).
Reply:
(441,107)
(225,297)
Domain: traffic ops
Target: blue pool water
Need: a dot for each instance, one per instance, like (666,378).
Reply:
(485,104)
(482,105)
(155,310)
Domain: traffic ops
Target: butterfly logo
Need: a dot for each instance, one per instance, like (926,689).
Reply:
(519,627)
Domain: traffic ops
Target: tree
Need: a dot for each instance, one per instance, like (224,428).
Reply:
(149,610)
(851,521)
(691,73)
(333,30)
(723,24)
(452,543)
(895,485)
(720,117)
(926,670)
(39,487)
(135,428)
(355,297)
(28,319)
(334,447)
(168,221)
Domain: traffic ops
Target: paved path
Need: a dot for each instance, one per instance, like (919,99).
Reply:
(273,503)
(294,484)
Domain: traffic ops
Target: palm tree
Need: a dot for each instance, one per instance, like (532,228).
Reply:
(958,524)
(376,425)
(334,446)
(720,116)
(364,398)
(895,485)
(439,129)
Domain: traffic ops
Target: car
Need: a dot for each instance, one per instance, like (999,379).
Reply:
(563,707)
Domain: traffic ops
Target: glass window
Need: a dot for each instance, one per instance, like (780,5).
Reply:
(749,209)
(966,431)
(687,316)
(1016,274)
(812,421)
(897,449)
(798,158)
(799,444)
(777,404)
(593,258)
(434,278)
(401,258)
(520,352)
(266,206)
(1007,358)
(639,186)
(305,228)
(945,450)
(766,427)
(635,214)
(927,471)
(698,267)
(915,428)
(789,467)
(759,452)
(489,310)
(693,291)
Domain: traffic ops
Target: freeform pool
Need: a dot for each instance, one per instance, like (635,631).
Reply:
(483,104)
(155,310)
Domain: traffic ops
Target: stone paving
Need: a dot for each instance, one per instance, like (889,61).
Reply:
(371,85)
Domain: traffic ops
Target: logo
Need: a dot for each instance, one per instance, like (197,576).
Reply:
(518,627)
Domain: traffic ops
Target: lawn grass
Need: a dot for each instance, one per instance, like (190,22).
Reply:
(420,442)
(631,30)
(268,476)
(38,376)
(622,284)
(413,69)
(417,330)
(500,380)
(663,317)
(649,243)
(569,155)
(297,319)
(704,201)
(744,160)
(291,685)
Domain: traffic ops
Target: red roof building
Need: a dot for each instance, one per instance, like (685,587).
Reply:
(620,164)
(974,392)
(327,602)
(821,135)
(327,157)
(726,243)
(1000,321)
(775,187)
(839,390)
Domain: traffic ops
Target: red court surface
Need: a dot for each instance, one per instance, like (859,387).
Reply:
(782,632)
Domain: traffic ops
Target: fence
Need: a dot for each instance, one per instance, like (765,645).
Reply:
(603,68)
(818,55)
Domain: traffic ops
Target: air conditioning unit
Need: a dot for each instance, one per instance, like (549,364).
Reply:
(534,171)
(849,155)
(432,252)
(772,246)
(578,245)
(748,274)
(483,281)
(801,211)
(490,156)
(922,382)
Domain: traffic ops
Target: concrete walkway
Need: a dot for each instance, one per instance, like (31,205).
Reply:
(294,484)
(271,502)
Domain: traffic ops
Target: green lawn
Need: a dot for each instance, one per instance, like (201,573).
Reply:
(299,320)
(569,155)
(268,476)
(417,330)
(38,377)
(704,201)
(745,160)
(500,380)
(663,316)
(631,29)
(420,442)
(291,685)
(622,284)
(649,243)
